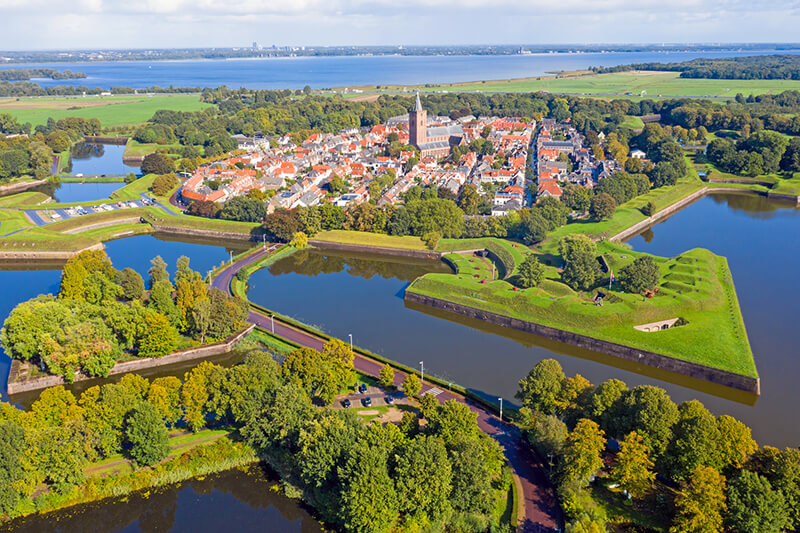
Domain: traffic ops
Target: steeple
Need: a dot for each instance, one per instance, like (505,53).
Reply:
(418,105)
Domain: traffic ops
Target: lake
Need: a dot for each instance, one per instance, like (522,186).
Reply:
(325,72)
(363,295)
(92,159)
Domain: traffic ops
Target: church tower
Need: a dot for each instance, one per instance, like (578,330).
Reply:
(417,125)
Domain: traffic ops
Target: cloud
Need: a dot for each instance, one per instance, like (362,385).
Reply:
(168,23)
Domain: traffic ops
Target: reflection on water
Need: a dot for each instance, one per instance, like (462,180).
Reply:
(754,205)
(99,159)
(236,500)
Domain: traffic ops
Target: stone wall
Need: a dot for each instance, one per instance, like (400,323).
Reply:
(105,139)
(663,362)
(664,213)
(200,352)
(105,223)
(789,197)
(213,234)
(20,186)
(348,247)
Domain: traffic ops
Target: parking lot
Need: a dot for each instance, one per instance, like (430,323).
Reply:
(45,216)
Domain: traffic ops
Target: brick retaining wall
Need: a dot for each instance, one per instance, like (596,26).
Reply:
(214,234)
(662,362)
(348,247)
(200,352)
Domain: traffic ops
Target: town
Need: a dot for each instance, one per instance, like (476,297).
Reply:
(494,154)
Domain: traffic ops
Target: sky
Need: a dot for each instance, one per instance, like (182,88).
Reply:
(66,24)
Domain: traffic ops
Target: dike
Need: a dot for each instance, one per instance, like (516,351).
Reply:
(655,360)
(17,255)
(363,248)
(199,352)
(20,186)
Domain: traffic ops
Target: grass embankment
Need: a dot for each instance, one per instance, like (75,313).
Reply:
(695,285)
(110,110)
(786,183)
(239,285)
(23,198)
(510,254)
(618,84)
(370,239)
(136,149)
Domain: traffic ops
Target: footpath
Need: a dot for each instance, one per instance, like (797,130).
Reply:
(538,510)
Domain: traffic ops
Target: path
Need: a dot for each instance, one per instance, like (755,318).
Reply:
(541,510)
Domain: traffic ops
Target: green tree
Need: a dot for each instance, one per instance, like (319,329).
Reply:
(158,271)
(163,184)
(699,506)
(165,395)
(131,283)
(602,207)
(412,385)
(540,389)
(577,198)
(531,272)
(735,443)
(694,441)
(649,411)
(604,396)
(423,477)
(641,275)
(753,505)
(782,469)
(159,336)
(12,450)
(146,434)
(369,499)
(243,209)
(470,199)
(386,376)
(547,433)
(633,469)
(583,451)
(157,163)
(475,461)
(299,240)
(195,393)
(322,444)
(581,268)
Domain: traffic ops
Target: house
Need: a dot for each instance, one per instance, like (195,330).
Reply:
(638,154)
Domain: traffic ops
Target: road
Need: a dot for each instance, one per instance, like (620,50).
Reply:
(541,511)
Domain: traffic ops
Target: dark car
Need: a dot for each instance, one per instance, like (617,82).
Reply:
(389,400)
(367,401)
(362,388)
(346,402)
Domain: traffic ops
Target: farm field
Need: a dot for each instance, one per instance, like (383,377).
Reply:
(110,110)
(654,83)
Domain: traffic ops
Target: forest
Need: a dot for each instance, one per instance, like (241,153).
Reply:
(764,67)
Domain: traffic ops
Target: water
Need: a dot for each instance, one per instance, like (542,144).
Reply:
(92,159)
(363,296)
(214,503)
(69,192)
(325,72)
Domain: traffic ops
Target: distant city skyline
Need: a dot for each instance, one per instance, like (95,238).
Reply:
(81,24)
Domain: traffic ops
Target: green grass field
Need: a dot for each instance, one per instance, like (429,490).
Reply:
(654,83)
(696,285)
(110,110)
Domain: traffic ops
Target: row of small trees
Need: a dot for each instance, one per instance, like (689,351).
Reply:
(570,420)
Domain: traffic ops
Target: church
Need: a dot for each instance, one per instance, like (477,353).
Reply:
(432,141)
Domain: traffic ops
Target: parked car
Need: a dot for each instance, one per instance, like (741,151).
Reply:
(362,388)
(389,400)
(366,401)
(346,403)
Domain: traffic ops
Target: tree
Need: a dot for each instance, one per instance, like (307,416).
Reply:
(694,441)
(196,393)
(282,224)
(633,469)
(204,208)
(131,283)
(423,477)
(146,434)
(577,198)
(604,396)
(157,163)
(649,411)
(531,272)
(158,271)
(165,395)
(159,336)
(583,451)
(243,209)
(470,199)
(753,505)
(369,499)
(12,449)
(547,433)
(163,184)
(641,275)
(790,162)
(386,376)
(299,240)
(412,385)
(322,443)
(602,206)
(699,506)
(782,470)
(474,462)
(540,389)
(581,268)
(78,269)
(649,209)
(734,444)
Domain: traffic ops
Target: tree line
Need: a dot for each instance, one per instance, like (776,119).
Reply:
(102,314)
(764,67)
(402,476)
(722,479)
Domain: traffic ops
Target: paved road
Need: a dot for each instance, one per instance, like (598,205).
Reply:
(542,512)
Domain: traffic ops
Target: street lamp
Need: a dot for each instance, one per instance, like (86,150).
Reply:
(231,253)
(421,372)
(501,409)
(272,317)
(351,341)
(550,460)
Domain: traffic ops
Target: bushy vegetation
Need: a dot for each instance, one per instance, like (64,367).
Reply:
(102,314)
(569,420)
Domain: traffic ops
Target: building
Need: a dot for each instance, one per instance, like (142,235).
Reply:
(432,141)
